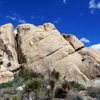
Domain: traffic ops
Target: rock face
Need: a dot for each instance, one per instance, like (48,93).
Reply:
(43,47)
(73,40)
(91,62)
(5,75)
(8,55)
(47,49)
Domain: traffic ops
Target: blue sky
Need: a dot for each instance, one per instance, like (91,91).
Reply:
(78,17)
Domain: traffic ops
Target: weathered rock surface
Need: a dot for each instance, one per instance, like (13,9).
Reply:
(91,52)
(47,49)
(74,41)
(8,55)
(43,47)
(94,83)
(36,44)
(90,62)
(6,76)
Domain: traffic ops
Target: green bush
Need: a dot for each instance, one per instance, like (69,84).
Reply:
(66,85)
(33,85)
(17,81)
(6,85)
(20,78)
(16,98)
(77,86)
(28,74)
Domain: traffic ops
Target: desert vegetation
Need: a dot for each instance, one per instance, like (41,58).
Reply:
(30,85)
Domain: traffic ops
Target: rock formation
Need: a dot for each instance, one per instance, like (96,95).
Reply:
(8,55)
(44,47)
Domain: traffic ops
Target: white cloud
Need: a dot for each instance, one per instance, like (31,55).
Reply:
(96,46)
(64,1)
(93,5)
(98,5)
(84,40)
(16,18)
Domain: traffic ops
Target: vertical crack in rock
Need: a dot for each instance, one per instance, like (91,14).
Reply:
(20,55)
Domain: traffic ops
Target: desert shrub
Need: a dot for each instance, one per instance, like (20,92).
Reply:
(55,75)
(6,85)
(16,97)
(6,97)
(60,93)
(93,91)
(76,86)
(28,74)
(52,83)
(33,84)
(25,74)
(17,81)
(66,85)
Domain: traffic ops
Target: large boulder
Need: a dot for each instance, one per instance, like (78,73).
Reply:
(43,49)
(90,62)
(35,44)
(91,52)
(8,55)
(74,41)
(5,75)
(71,71)
(49,27)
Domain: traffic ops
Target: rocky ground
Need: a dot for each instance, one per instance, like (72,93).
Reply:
(34,86)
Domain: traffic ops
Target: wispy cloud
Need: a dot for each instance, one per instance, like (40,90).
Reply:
(32,17)
(16,17)
(58,20)
(64,1)
(39,17)
(22,21)
(93,5)
(11,17)
(84,40)
(96,46)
